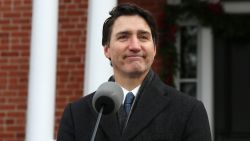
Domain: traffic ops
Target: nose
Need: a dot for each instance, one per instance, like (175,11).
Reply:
(134,44)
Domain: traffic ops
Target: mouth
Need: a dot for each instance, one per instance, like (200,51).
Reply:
(139,54)
(134,57)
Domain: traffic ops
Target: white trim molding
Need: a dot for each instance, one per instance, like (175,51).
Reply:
(97,66)
(42,72)
(205,73)
(238,7)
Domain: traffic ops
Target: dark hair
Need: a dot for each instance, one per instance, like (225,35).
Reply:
(127,9)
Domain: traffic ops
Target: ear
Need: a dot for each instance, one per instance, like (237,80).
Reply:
(154,50)
(106,51)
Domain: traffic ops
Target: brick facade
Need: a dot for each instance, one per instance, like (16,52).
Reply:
(71,53)
(15,29)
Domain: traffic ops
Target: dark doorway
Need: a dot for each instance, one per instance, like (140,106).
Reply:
(232,89)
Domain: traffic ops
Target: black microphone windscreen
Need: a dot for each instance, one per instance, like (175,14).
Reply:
(109,95)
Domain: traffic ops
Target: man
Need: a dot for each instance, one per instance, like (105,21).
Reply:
(159,112)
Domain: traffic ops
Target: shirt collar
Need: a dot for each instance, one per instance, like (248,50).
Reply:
(134,91)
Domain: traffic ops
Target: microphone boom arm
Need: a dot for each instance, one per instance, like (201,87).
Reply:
(97,124)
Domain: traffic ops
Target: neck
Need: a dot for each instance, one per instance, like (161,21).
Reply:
(129,82)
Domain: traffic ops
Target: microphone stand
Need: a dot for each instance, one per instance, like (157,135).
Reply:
(97,124)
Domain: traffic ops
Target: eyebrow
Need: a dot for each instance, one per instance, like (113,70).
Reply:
(144,32)
(128,32)
(123,33)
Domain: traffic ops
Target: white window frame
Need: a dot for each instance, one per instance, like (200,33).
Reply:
(205,59)
(204,77)
(178,79)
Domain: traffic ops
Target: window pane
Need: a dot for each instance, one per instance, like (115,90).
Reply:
(189,88)
(188,52)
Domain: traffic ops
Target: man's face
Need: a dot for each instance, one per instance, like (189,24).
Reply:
(131,47)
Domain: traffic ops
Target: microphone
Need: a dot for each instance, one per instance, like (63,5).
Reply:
(106,100)
(109,95)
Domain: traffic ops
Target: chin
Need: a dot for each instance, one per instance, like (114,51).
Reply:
(136,72)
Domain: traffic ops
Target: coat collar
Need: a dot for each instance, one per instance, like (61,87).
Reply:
(150,102)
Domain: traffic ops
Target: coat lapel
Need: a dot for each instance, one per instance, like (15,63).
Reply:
(151,102)
(110,125)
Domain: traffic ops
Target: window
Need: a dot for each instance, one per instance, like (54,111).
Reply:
(187,42)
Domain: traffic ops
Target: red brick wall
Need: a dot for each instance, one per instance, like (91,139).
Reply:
(71,53)
(15,22)
(15,29)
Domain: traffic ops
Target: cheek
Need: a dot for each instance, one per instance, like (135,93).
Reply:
(115,52)
(110,53)
(113,55)
(151,53)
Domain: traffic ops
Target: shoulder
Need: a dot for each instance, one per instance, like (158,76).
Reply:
(186,108)
(176,98)
(84,103)
(81,108)
(77,116)
(182,100)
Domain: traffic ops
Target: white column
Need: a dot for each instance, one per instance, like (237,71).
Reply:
(205,88)
(42,73)
(97,66)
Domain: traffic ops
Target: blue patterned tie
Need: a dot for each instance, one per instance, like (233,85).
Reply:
(125,109)
(128,102)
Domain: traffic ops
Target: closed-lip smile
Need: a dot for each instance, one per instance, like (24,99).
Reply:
(133,56)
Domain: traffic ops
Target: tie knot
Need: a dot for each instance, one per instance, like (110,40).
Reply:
(129,98)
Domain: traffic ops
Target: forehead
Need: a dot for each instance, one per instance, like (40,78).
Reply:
(130,23)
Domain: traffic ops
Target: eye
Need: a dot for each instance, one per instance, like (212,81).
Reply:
(144,37)
(122,36)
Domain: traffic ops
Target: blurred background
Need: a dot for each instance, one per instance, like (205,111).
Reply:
(204,51)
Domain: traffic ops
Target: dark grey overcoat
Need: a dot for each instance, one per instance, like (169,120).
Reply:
(160,113)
